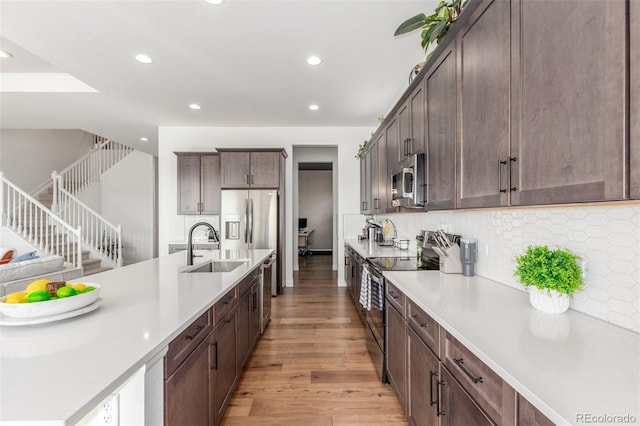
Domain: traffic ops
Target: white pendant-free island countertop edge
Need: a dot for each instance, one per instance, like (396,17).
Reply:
(56,373)
(566,365)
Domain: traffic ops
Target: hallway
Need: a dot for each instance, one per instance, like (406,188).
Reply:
(311,366)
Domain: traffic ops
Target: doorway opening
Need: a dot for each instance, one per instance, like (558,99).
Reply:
(314,208)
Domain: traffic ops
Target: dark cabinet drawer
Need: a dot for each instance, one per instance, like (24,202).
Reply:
(424,326)
(186,342)
(528,415)
(396,298)
(248,282)
(223,305)
(489,391)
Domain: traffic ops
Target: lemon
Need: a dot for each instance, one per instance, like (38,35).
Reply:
(17,297)
(39,296)
(37,285)
(78,287)
(66,292)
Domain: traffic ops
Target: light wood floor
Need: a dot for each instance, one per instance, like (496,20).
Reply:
(311,366)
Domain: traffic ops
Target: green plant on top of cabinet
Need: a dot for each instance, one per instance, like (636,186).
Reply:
(483,82)
(198,183)
(568,91)
(251,169)
(441,130)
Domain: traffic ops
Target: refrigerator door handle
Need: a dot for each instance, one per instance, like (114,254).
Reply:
(251,220)
(246,220)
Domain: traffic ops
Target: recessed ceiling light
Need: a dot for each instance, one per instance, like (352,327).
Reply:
(216,2)
(4,54)
(314,107)
(314,60)
(143,58)
(194,106)
(143,139)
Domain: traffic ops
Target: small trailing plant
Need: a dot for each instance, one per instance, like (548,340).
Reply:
(549,269)
(361,148)
(435,26)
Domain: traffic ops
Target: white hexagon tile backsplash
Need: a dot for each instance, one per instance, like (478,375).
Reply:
(607,237)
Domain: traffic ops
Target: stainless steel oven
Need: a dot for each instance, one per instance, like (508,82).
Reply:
(375,321)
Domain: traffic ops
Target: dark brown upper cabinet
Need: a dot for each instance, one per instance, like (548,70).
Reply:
(568,91)
(366,204)
(634,97)
(483,84)
(441,89)
(412,123)
(256,169)
(380,177)
(198,183)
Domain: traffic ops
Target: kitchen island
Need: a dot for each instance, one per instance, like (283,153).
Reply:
(57,373)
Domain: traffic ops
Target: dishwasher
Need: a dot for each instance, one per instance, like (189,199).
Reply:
(269,273)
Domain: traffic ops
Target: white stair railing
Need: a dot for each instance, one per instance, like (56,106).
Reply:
(103,237)
(88,169)
(37,224)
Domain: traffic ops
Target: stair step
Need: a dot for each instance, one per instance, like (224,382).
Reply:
(90,263)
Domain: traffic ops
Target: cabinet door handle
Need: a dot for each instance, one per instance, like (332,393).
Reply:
(255,301)
(246,178)
(192,336)
(409,146)
(432,401)
(215,366)
(439,385)
(251,179)
(511,161)
(460,363)
(500,164)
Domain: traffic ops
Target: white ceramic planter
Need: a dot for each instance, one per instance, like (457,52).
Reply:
(548,301)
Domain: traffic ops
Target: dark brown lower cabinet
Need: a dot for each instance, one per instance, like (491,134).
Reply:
(423,377)
(223,377)
(528,415)
(396,351)
(186,396)
(457,407)
(255,315)
(244,328)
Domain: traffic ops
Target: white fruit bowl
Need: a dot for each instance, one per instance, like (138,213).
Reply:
(50,307)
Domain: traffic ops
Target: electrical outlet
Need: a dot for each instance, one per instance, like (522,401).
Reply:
(110,412)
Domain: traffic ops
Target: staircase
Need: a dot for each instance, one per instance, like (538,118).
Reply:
(90,265)
(55,221)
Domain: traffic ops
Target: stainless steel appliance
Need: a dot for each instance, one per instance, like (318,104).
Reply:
(468,254)
(268,279)
(407,183)
(249,220)
(375,322)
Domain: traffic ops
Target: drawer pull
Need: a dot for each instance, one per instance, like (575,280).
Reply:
(431,400)
(418,319)
(460,363)
(198,330)
(439,384)
(393,295)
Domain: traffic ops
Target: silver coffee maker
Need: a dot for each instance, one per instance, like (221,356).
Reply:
(468,256)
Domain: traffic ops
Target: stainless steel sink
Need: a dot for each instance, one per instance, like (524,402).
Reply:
(216,266)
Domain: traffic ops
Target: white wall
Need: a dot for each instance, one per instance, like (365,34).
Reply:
(27,157)
(171,225)
(127,199)
(606,236)
(315,202)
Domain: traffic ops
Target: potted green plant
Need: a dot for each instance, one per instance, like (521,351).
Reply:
(435,26)
(551,276)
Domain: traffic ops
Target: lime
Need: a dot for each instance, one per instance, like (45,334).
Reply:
(17,297)
(39,296)
(88,289)
(66,292)
(37,285)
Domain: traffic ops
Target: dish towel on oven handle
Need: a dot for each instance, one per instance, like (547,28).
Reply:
(365,289)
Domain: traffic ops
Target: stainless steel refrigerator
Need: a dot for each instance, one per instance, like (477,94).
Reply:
(249,220)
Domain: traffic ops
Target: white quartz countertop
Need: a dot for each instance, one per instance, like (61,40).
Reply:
(57,373)
(565,365)
(368,249)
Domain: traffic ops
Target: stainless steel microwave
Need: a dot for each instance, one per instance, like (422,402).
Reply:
(407,187)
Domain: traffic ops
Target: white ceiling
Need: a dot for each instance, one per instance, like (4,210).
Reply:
(243,62)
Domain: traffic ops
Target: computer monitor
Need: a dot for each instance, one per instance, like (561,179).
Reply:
(302,223)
